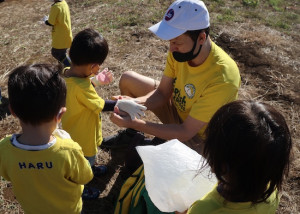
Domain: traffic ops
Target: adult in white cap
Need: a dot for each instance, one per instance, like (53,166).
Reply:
(198,79)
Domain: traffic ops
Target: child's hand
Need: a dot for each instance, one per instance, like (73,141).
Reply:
(134,109)
(45,18)
(103,78)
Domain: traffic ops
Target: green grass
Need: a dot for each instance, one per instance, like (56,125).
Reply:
(279,14)
(226,15)
(250,3)
(277,5)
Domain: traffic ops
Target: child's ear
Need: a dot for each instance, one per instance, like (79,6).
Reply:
(60,114)
(95,68)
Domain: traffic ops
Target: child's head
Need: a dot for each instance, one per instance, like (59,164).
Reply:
(36,93)
(248,147)
(88,47)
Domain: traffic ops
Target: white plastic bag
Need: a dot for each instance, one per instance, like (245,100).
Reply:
(172,176)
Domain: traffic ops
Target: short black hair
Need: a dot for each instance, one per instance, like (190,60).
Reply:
(88,46)
(195,33)
(36,92)
(248,146)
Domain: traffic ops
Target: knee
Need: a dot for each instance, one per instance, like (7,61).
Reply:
(126,79)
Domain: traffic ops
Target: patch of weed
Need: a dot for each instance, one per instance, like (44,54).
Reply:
(251,3)
(252,15)
(226,15)
(292,17)
(276,4)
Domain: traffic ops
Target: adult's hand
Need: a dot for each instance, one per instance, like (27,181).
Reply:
(124,97)
(122,119)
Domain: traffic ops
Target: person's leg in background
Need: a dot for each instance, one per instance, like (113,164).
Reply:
(61,56)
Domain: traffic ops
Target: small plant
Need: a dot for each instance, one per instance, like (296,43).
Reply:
(251,3)
(226,15)
(283,25)
(221,2)
(276,4)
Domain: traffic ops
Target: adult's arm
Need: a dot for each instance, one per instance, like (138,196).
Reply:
(159,96)
(183,132)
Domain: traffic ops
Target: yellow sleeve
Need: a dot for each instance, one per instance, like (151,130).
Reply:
(82,171)
(91,100)
(53,15)
(169,69)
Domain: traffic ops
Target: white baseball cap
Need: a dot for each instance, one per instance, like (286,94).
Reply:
(181,16)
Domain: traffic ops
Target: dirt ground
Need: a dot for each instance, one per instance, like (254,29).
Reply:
(268,61)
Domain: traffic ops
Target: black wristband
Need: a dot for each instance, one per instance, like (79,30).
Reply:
(109,105)
(47,23)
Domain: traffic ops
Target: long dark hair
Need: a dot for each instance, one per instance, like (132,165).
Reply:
(248,146)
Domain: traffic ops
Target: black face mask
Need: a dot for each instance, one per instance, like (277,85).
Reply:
(188,56)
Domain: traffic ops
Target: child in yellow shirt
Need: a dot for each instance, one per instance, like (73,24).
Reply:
(60,21)
(83,119)
(247,146)
(47,172)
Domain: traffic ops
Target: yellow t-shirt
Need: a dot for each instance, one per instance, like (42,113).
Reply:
(214,203)
(49,180)
(82,119)
(200,91)
(59,17)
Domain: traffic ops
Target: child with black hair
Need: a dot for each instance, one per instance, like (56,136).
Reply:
(247,146)
(83,121)
(47,172)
